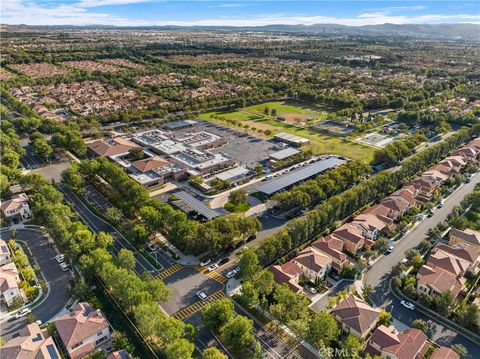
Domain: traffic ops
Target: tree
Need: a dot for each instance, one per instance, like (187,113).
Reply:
(249,295)
(350,348)
(264,282)
(460,350)
(445,302)
(238,334)
(367,291)
(213,353)
(135,153)
(468,315)
(180,349)
(216,315)
(349,271)
(288,306)
(410,290)
(126,259)
(323,329)
(249,264)
(273,112)
(420,324)
(380,245)
(238,197)
(384,317)
(72,179)
(259,170)
(266,111)
(41,148)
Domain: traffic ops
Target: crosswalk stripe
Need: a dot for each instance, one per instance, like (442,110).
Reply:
(169,271)
(213,274)
(195,307)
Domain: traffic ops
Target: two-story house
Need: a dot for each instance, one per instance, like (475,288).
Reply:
(83,331)
(17,207)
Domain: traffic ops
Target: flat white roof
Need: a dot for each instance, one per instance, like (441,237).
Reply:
(232,173)
(291,138)
(286,153)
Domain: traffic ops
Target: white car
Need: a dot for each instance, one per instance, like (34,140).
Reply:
(22,313)
(60,258)
(231,273)
(390,249)
(404,260)
(65,267)
(202,295)
(212,267)
(311,289)
(205,262)
(408,305)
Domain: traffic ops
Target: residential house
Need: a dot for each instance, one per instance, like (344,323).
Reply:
(389,344)
(469,154)
(352,237)
(17,207)
(455,163)
(288,273)
(5,256)
(83,331)
(374,221)
(314,264)
(444,353)
(31,343)
(396,205)
(356,316)
(434,280)
(120,354)
(467,236)
(424,187)
(332,247)
(9,279)
(458,258)
(439,174)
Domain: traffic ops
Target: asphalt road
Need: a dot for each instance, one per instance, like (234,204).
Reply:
(44,254)
(97,225)
(379,274)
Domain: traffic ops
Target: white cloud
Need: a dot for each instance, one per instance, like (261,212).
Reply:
(79,13)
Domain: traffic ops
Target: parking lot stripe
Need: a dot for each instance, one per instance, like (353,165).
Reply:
(169,271)
(195,307)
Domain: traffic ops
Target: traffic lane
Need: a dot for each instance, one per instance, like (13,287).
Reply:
(44,254)
(185,284)
(97,225)
(414,237)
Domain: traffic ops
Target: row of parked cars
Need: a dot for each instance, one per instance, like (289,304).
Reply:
(61,260)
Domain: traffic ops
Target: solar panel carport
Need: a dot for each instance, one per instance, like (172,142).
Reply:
(285,181)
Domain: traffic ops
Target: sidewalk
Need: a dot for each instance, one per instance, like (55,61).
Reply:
(188,260)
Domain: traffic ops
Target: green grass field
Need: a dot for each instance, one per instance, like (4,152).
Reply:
(253,119)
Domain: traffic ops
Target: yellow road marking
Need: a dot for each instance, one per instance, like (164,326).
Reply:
(195,307)
(169,271)
(213,274)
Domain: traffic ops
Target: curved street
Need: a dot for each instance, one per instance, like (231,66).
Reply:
(379,275)
(56,279)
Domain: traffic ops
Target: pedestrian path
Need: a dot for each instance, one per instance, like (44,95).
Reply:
(192,309)
(168,272)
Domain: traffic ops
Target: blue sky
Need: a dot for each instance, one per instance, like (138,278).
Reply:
(235,13)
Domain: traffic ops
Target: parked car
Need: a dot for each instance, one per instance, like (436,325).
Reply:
(334,275)
(60,258)
(311,289)
(212,267)
(231,273)
(65,267)
(390,249)
(223,261)
(252,237)
(205,262)
(22,313)
(404,260)
(153,247)
(408,305)
(202,295)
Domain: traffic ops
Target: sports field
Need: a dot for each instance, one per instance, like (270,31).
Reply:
(253,119)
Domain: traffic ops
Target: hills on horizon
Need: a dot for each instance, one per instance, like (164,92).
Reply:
(469,31)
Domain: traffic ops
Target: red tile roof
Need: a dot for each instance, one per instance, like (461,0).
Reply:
(356,314)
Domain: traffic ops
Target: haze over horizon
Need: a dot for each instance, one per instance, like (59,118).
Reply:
(235,13)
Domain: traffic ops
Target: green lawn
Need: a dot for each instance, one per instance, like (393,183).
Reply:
(239,208)
(253,118)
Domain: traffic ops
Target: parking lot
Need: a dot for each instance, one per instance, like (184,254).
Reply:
(246,149)
(185,284)
(96,198)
